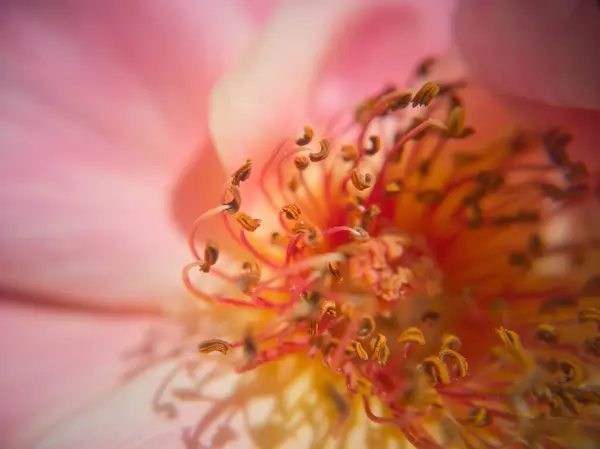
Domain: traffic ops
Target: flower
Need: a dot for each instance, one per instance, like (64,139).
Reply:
(304,69)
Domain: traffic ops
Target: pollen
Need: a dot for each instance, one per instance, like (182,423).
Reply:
(403,268)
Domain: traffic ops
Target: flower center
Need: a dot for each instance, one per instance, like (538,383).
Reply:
(370,274)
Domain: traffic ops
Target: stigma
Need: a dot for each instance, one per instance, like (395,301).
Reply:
(411,270)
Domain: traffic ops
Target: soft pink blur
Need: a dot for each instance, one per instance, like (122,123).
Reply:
(105,112)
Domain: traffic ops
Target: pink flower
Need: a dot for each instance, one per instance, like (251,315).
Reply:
(116,138)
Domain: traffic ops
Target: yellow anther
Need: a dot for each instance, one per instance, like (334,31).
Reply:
(306,137)
(291,211)
(366,328)
(425,94)
(349,153)
(412,335)
(450,341)
(480,417)
(460,361)
(356,348)
(213,345)
(301,162)
(242,174)
(435,368)
(247,222)
(325,149)
(456,122)
(328,308)
(375,145)
(381,352)
(211,255)
(398,100)
(334,269)
(393,187)
(361,182)
(546,333)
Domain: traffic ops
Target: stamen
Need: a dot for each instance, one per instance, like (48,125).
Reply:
(213,345)
(211,255)
(335,270)
(325,149)
(349,153)
(375,146)
(232,199)
(196,225)
(291,211)
(242,174)
(425,94)
(247,222)
(301,162)
(361,182)
(306,137)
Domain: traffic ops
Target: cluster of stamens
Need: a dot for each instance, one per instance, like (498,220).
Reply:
(340,279)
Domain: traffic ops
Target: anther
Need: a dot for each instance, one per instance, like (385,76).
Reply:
(366,327)
(242,174)
(450,341)
(412,335)
(425,95)
(480,417)
(291,211)
(232,199)
(546,333)
(313,328)
(213,345)
(325,149)
(381,352)
(356,347)
(247,222)
(375,145)
(589,315)
(306,137)
(456,122)
(359,233)
(399,100)
(460,361)
(250,346)
(361,182)
(425,66)
(349,153)
(328,308)
(301,162)
(393,187)
(334,269)
(435,368)
(211,255)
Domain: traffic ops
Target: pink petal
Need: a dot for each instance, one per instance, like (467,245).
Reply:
(56,362)
(312,58)
(102,106)
(539,50)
